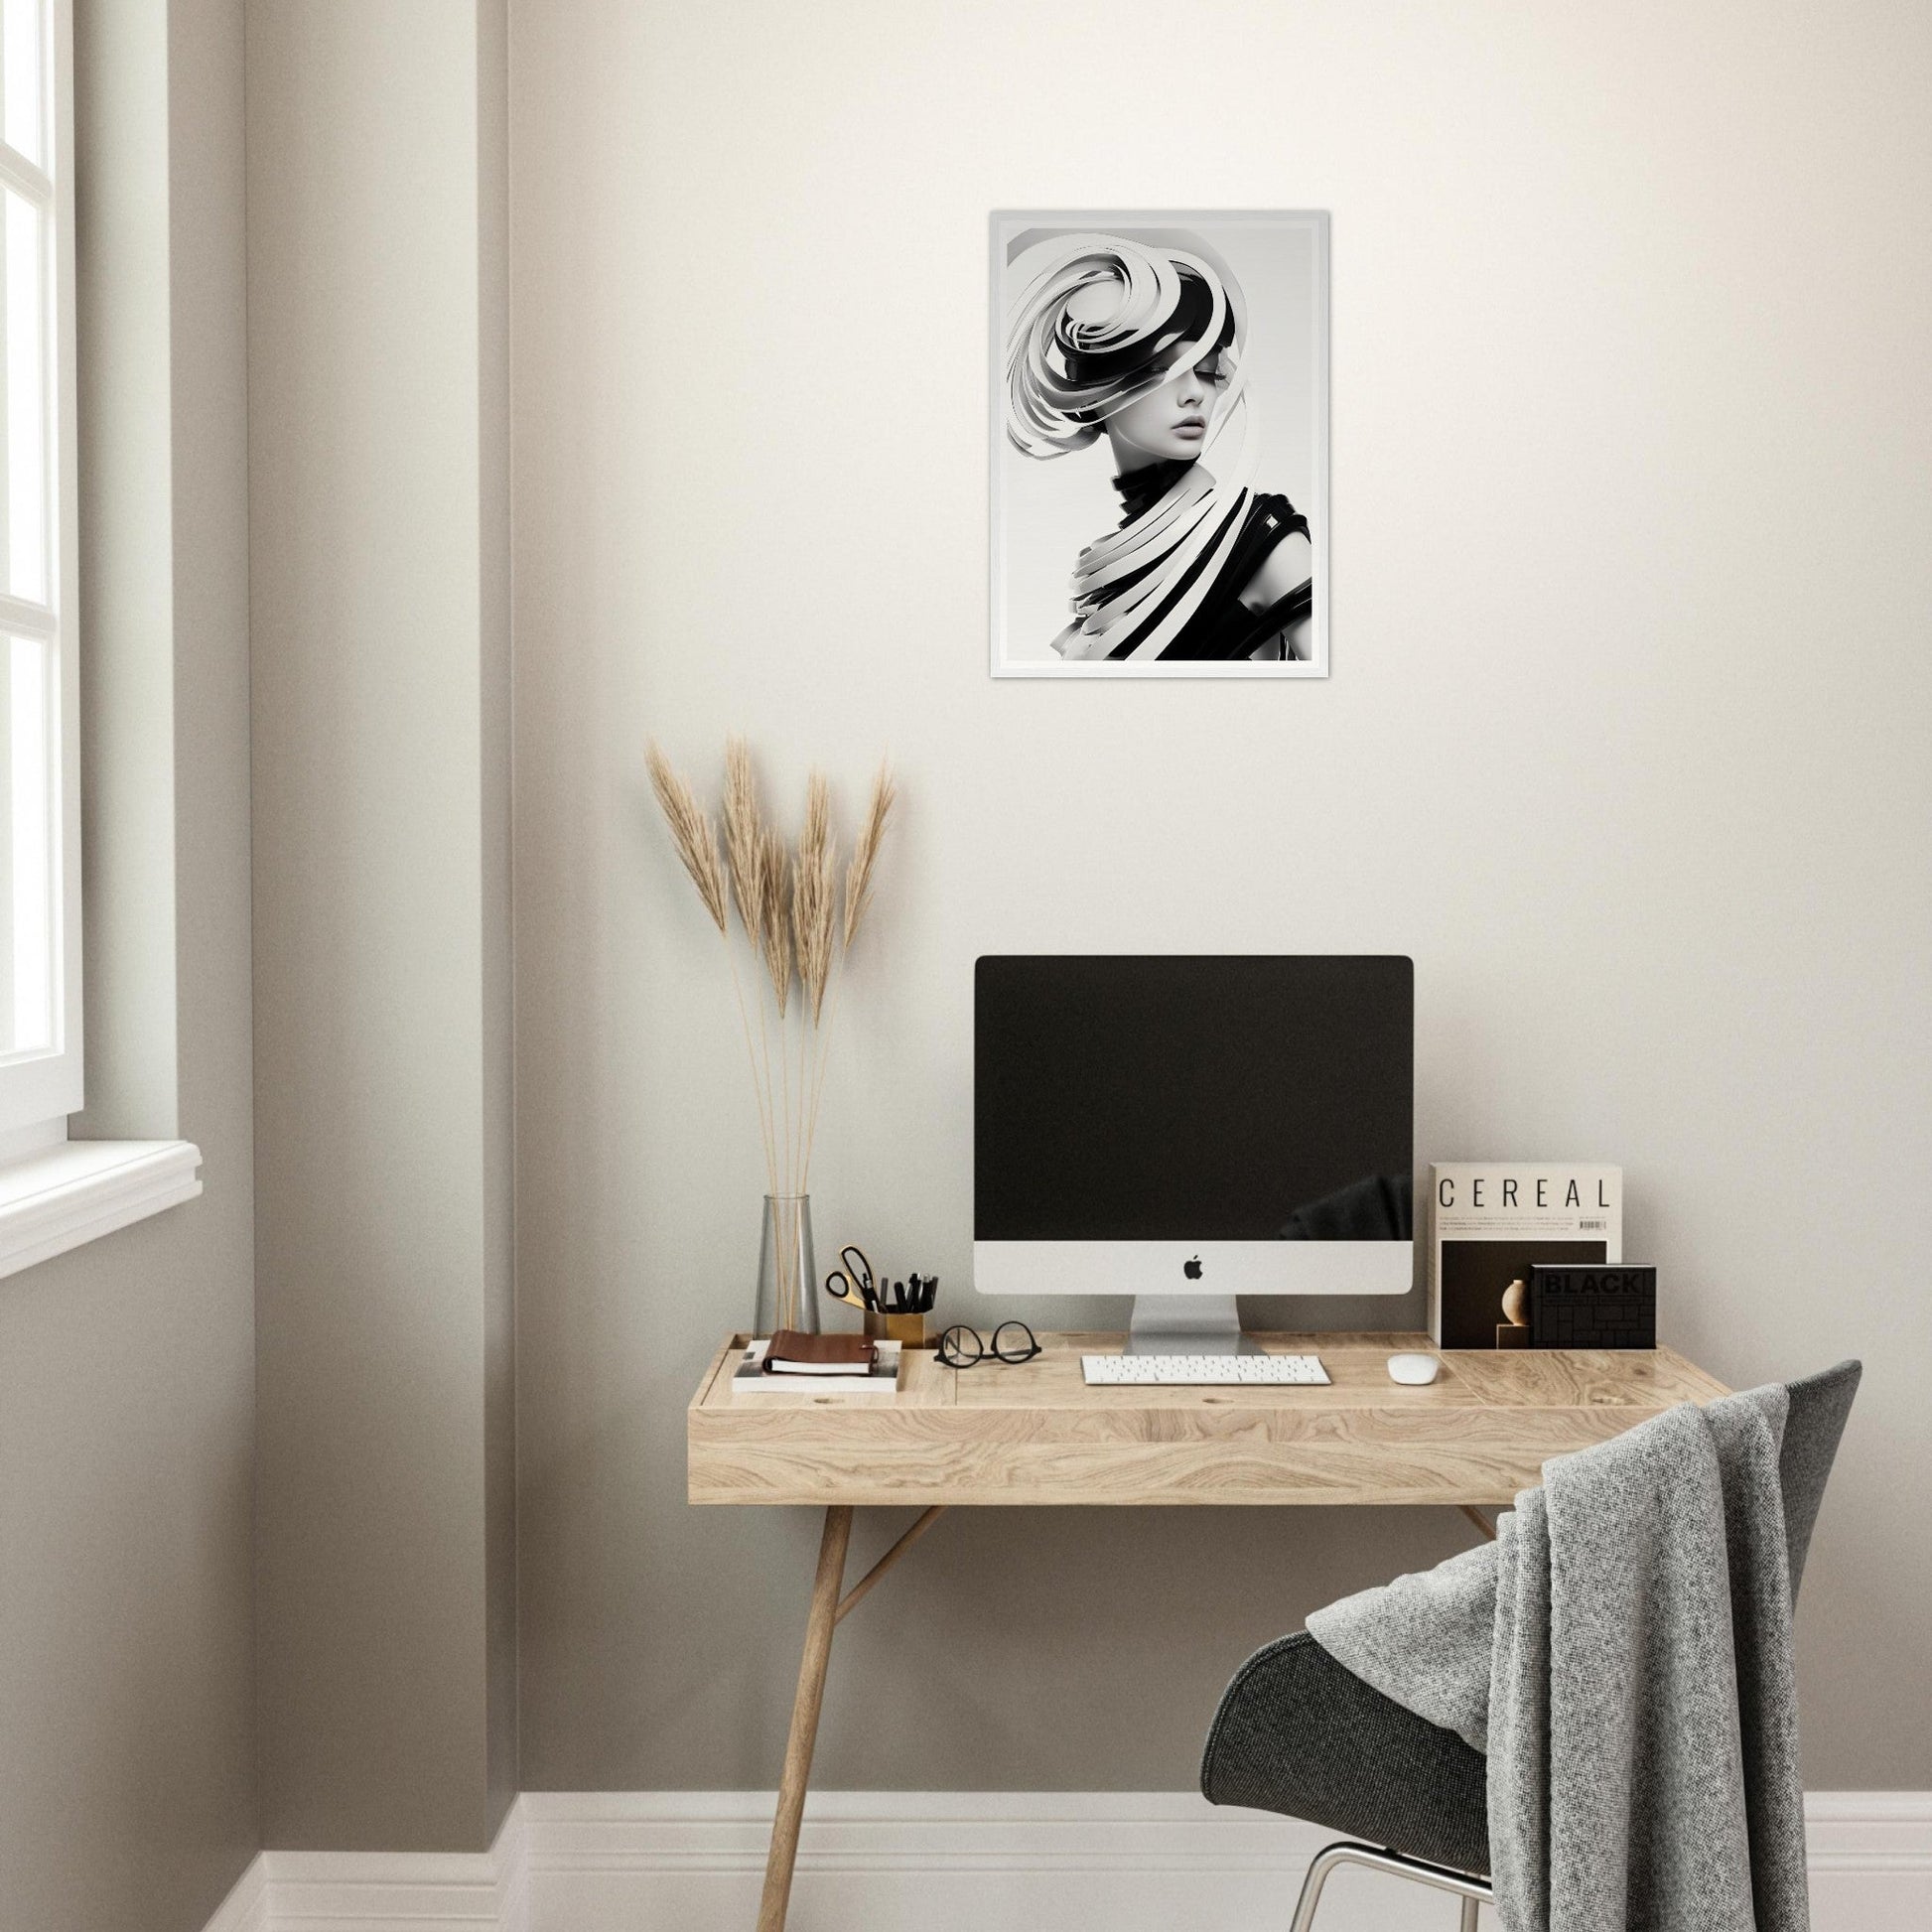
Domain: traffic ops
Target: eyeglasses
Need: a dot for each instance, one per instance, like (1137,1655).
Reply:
(963,1347)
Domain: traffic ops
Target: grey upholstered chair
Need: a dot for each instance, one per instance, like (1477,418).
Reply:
(1300,1735)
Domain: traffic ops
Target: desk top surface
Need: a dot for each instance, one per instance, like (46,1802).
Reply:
(1033,1432)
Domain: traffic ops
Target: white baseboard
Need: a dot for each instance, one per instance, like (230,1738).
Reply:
(1870,1854)
(939,1861)
(385,1891)
(953,1862)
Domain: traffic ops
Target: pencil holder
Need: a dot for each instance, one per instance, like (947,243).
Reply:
(908,1330)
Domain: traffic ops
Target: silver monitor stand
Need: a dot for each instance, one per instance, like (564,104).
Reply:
(1186,1324)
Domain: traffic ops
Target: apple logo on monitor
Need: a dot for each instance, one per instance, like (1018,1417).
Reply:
(1192,1269)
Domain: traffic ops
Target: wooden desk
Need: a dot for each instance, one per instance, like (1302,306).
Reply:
(1034,1433)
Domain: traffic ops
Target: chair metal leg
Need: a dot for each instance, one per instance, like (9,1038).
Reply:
(1471,1890)
(1324,1862)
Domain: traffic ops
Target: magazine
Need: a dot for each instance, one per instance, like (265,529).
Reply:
(1489,1220)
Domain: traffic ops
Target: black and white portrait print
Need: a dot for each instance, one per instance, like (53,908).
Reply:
(1160,445)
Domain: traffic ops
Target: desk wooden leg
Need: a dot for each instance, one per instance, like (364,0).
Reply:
(858,1592)
(804,1719)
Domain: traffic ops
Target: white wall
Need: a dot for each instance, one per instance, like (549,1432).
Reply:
(1624,743)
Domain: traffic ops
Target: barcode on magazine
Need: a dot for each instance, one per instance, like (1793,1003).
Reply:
(1598,1226)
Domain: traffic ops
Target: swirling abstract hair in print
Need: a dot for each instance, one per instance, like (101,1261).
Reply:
(1098,321)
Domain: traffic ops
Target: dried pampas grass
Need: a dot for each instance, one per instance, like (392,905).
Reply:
(745,837)
(865,851)
(814,895)
(774,921)
(692,831)
(787,906)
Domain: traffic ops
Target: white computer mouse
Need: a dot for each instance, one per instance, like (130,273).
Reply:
(1414,1369)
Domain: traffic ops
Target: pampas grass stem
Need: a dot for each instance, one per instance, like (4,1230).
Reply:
(857,900)
(865,852)
(692,831)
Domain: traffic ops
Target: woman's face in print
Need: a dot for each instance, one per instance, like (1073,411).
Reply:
(1170,422)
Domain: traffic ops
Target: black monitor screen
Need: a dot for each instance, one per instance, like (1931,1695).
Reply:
(1171,1098)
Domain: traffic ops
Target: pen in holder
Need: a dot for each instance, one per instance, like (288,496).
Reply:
(892,1310)
(901,1309)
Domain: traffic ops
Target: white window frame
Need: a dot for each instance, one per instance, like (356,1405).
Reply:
(56,1193)
(40,1089)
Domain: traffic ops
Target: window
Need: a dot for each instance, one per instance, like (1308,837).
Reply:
(54,1193)
(40,811)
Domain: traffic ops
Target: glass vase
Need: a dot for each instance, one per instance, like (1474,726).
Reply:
(787,1272)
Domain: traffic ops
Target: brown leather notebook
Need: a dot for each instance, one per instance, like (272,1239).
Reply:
(794,1353)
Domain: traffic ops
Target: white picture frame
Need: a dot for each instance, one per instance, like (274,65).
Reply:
(1053,508)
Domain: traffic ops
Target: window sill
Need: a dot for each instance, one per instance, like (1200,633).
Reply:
(78,1190)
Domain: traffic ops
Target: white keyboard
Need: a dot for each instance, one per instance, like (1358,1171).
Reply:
(1202,1371)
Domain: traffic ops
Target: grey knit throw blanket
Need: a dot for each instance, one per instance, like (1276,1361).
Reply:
(1622,1652)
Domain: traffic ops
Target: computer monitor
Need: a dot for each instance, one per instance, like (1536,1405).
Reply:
(1187,1129)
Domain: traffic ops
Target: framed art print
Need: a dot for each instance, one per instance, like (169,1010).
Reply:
(1160,430)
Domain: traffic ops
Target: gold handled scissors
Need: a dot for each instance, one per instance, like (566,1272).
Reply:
(853,1281)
